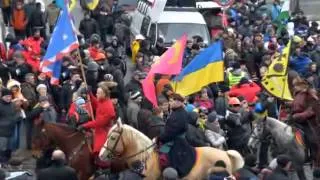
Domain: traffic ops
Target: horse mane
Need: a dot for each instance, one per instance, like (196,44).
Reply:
(67,131)
(279,127)
(133,136)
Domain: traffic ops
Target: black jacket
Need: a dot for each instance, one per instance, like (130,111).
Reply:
(246,173)
(57,171)
(8,118)
(66,94)
(278,174)
(18,72)
(176,125)
(133,85)
(88,27)
(37,19)
(29,92)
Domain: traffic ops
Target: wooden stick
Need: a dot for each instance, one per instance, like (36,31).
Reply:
(85,81)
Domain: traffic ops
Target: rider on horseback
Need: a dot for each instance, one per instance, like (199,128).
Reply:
(304,114)
(174,146)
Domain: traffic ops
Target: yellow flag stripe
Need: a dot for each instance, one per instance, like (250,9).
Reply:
(195,81)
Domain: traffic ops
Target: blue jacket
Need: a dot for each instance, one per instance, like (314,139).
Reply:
(275,12)
(300,63)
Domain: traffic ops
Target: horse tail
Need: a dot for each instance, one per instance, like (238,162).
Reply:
(236,159)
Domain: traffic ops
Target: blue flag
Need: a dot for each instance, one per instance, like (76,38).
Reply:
(62,42)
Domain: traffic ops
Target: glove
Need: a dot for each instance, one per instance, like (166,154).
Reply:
(81,128)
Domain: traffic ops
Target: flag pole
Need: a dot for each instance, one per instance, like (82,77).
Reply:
(85,81)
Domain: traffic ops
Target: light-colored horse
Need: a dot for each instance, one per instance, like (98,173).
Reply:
(126,143)
(284,139)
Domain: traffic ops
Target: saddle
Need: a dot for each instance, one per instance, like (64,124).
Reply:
(299,136)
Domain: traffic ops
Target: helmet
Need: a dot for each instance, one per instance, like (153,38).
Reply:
(234,101)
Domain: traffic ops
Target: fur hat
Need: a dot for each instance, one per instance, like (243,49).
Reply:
(41,86)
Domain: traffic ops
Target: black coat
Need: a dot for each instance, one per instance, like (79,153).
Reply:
(278,174)
(195,137)
(29,92)
(246,173)
(182,155)
(37,19)
(133,85)
(176,125)
(88,27)
(57,171)
(8,118)
(66,94)
(18,72)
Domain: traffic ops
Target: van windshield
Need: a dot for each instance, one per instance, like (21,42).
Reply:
(173,31)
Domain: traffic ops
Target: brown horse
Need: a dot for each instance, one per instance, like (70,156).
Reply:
(128,144)
(72,142)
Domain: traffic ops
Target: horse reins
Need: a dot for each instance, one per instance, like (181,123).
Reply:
(130,156)
(76,149)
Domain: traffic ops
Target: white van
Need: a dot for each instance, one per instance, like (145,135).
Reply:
(174,22)
(169,24)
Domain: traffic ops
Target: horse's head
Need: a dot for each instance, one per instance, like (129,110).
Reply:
(114,146)
(257,134)
(49,135)
(40,139)
(124,142)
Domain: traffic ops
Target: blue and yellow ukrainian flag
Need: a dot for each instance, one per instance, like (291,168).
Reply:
(204,69)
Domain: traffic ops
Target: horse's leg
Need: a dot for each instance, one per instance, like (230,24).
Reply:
(300,172)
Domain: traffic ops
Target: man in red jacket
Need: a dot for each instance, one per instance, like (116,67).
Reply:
(105,114)
(245,88)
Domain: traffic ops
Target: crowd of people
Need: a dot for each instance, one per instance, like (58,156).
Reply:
(221,115)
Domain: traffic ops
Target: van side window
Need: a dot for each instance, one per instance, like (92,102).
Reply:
(145,25)
(153,33)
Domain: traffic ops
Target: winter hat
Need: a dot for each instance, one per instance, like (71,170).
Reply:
(177,97)
(236,65)
(41,86)
(43,98)
(170,174)
(108,77)
(140,37)
(80,101)
(250,160)
(283,160)
(135,95)
(212,116)
(5,92)
(11,83)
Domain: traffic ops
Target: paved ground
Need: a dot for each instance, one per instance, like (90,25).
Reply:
(311,9)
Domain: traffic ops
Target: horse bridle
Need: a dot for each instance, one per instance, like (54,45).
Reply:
(254,136)
(77,148)
(113,154)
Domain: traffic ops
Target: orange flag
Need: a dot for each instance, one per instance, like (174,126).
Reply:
(170,63)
